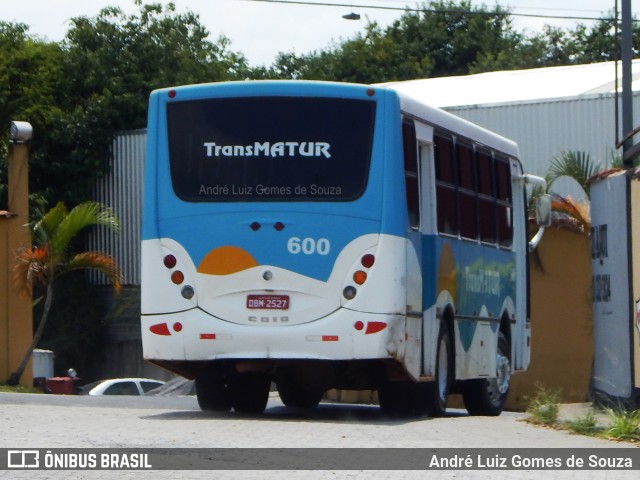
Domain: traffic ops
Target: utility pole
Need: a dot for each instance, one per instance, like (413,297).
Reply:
(627,95)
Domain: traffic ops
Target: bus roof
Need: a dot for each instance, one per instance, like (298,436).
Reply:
(411,104)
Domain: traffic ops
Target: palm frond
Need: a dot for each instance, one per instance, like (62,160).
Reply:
(45,228)
(81,216)
(96,261)
(32,267)
(574,164)
(577,212)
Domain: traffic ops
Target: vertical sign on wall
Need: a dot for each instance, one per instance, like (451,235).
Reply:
(614,311)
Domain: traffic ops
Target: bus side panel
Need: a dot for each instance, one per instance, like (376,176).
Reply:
(150,194)
(521,330)
(474,284)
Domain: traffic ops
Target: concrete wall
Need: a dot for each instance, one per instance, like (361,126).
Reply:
(16,327)
(561,322)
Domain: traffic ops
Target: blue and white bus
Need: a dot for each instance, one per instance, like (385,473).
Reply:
(323,235)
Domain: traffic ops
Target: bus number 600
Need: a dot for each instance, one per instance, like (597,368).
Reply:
(308,246)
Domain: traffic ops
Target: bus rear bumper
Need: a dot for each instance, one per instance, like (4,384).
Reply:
(344,335)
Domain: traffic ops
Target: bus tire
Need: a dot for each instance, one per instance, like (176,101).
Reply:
(212,393)
(249,392)
(487,397)
(438,391)
(397,399)
(293,395)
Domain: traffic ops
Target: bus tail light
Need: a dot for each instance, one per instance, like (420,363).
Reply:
(177,276)
(368,260)
(360,276)
(371,327)
(349,292)
(187,292)
(170,261)
(160,329)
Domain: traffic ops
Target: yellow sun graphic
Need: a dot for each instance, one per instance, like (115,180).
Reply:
(226,260)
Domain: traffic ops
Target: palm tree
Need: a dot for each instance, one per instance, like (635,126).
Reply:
(574,164)
(51,257)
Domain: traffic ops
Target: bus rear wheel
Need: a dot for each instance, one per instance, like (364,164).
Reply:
(212,392)
(396,399)
(438,391)
(488,396)
(293,395)
(249,391)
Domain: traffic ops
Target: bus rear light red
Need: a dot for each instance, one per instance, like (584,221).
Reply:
(375,327)
(177,277)
(160,329)
(368,260)
(170,261)
(279,226)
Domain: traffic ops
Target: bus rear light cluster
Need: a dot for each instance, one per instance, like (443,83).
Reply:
(177,277)
(162,329)
(360,276)
(371,327)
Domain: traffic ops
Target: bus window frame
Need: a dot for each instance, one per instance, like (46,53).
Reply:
(451,188)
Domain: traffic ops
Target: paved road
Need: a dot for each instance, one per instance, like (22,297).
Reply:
(50,421)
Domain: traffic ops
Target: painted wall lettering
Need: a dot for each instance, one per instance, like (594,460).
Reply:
(601,288)
(599,243)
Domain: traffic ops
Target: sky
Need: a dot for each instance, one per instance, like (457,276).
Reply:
(260,29)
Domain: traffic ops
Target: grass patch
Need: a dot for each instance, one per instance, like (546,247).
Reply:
(544,407)
(19,389)
(585,425)
(624,425)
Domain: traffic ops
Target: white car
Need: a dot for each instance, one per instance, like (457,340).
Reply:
(122,386)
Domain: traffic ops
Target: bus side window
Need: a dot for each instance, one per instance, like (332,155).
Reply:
(486,198)
(504,202)
(467,204)
(410,147)
(446,201)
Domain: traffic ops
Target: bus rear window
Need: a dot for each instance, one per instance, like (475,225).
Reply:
(270,148)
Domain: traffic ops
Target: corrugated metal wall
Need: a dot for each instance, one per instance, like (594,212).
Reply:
(121,189)
(543,129)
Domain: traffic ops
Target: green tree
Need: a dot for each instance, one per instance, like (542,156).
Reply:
(441,38)
(30,89)
(113,61)
(52,256)
(79,92)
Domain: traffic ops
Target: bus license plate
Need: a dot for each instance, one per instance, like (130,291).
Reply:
(268,302)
